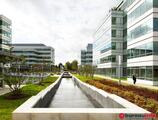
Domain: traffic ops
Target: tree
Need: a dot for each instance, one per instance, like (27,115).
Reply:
(74,65)
(14,83)
(68,66)
(61,66)
(87,70)
(7,60)
(15,80)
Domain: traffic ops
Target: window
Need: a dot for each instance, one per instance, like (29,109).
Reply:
(141,30)
(137,52)
(119,33)
(125,45)
(113,71)
(113,33)
(128,72)
(155,73)
(113,20)
(142,72)
(113,58)
(149,72)
(125,19)
(113,46)
(125,33)
(149,48)
(155,24)
(142,50)
(149,4)
(149,26)
(0,22)
(155,48)
(155,3)
(139,11)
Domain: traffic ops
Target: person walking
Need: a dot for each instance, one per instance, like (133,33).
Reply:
(134,79)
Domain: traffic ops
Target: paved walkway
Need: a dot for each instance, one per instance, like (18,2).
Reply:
(126,82)
(4,90)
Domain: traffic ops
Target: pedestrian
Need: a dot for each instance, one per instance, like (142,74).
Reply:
(134,79)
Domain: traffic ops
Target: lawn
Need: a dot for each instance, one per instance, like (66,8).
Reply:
(8,106)
(143,97)
(84,78)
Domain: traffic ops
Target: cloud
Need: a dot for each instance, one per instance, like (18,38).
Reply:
(66,25)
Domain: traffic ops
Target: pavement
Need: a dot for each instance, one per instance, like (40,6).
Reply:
(4,90)
(127,82)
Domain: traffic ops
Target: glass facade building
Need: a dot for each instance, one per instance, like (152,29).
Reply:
(87,55)
(35,53)
(108,44)
(140,42)
(5,34)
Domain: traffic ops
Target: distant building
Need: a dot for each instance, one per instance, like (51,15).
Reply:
(5,35)
(87,55)
(35,53)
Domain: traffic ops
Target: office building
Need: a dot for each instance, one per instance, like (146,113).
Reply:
(35,53)
(108,44)
(87,55)
(140,42)
(5,43)
(5,35)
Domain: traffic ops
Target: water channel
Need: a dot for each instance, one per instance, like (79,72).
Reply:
(69,95)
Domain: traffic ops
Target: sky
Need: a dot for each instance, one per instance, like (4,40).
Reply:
(65,25)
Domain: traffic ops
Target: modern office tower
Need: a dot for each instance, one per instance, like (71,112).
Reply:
(140,41)
(108,45)
(87,55)
(5,35)
(35,53)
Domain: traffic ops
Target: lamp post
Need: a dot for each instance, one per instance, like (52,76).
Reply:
(120,62)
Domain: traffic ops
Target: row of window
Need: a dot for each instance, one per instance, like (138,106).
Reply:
(5,42)
(111,46)
(5,33)
(143,50)
(117,33)
(43,49)
(31,52)
(86,61)
(4,24)
(111,58)
(141,30)
(145,72)
(117,21)
(106,48)
(40,57)
(107,72)
(144,7)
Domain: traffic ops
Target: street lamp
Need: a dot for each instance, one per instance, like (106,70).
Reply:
(120,62)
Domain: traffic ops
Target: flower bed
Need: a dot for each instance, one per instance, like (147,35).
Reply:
(145,98)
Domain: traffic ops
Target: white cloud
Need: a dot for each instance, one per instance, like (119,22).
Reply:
(66,25)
